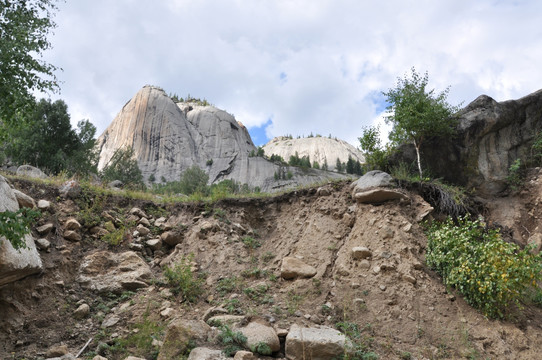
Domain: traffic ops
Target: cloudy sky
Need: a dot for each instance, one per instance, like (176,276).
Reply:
(292,67)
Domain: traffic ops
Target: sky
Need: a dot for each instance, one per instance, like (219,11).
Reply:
(287,67)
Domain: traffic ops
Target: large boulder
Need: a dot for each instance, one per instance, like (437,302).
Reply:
(372,179)
(258,332)
(15,264)
(181,335)
(104,271)
(318,343)
(292,268)
(30,171)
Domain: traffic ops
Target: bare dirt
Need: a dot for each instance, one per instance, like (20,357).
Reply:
(400,305)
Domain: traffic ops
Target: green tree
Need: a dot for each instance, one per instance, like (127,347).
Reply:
(24,28)
(47,140)
(194,180)
(122,166)
(371,145)
(338,165)
(418,113)
(350,165)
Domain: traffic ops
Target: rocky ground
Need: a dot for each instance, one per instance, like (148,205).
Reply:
(286,271)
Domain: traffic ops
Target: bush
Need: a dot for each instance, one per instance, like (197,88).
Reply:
(514,177)
(122,166)
(15,225)
(233,340)
(194,180)
(490,273)
(182,280)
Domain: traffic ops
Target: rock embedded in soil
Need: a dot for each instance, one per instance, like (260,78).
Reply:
(72,235)
(361,252)
(43,244)
(45,229)
(82,311)
(258,332)
(380,195)
(44,204)
(180,334)
(292,268)
(244,355)
(72,224)
(201,353)
(24,200)
(318,343)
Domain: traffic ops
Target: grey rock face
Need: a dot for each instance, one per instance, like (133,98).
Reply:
(30,171)
(15,264)
(318,149)
(168,138)
(491,136)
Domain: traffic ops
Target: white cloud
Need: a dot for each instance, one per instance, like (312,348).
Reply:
(311,66)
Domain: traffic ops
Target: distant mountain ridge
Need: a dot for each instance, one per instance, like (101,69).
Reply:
(168,138)
(317,148)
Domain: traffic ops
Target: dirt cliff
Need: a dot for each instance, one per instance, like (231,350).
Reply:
(365,264)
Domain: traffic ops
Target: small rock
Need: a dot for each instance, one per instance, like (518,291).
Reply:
(138,212)
(365,264)
(82,311)
(376,269)
(24,200)
(110,321)
(167,312)
(322,191)
(135,246)
(154,244)
(361,252)
(145,222)
(142,230)
(160,222)
(115,184)
(44,204)
(98,357)
(382,287)
(411,279)
(172,237)
(45,229)
(43,244)
(72,235)
(244,355)
(57,351)
(72,224)
(292,268)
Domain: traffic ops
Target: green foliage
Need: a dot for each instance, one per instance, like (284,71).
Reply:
(182,280)
(261,348)
(233,306)
(492,274)
(277,158)
(259,294)
(515,177)
(227,285)
(251,242)
(417,113)
(115,237)
(194,180)
(295,160)
(358,349)
(24,28)
(46,139)
(536,149)
(139,343)
(15,225)
(232,340)
(122,166)
(376,156)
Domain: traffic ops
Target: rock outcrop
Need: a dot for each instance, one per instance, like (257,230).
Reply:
(15,264)
(168,138)
(491,135)
(320,149)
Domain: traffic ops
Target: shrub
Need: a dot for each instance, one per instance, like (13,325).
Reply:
(122,166)
(194,180)
(514,177)
(491,273)
(182,280)
(250,242)
(15,225)
(233,340)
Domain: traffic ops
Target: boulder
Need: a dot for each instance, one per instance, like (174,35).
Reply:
(45,229)
(72,235)
(72,224)
(115,184)
(321,343)
(15,264)
(292,268)
(372,179)
(24,200)
(244,355)
(361,252)
(181,335)
(260,332)
(201,353)
(70,189)
(379,195)
(172,237)
(104,272)
(44,204)
(30,171)
(82,311)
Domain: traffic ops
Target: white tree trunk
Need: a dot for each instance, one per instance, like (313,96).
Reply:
(417,146)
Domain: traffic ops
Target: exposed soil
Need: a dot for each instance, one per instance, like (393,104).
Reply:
(400,305)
